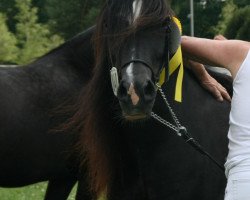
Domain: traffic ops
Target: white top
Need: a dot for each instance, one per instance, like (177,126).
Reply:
(239,130)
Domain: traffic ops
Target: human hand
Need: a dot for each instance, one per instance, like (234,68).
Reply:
(207,81)
(214,87)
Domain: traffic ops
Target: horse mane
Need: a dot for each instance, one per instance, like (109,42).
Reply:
(97,114)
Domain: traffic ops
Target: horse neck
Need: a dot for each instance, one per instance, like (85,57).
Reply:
(74,56)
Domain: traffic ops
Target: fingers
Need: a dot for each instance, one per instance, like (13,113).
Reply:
(217,93)
(224,93)
(208,82)
(217,90)
(221,93)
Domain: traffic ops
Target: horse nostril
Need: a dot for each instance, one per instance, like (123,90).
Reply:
(122,92)
(149,91)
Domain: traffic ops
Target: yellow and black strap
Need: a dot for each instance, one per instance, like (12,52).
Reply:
(175,62)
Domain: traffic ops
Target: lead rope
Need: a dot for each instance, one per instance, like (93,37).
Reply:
(181,130)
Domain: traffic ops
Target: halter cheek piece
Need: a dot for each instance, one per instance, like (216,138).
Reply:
(114,80)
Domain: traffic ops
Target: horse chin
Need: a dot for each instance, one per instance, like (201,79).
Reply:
(136,117)
(132,113)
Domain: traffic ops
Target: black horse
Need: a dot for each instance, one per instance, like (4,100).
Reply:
(131,156)
(30,151)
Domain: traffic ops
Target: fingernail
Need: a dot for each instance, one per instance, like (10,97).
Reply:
(220,99)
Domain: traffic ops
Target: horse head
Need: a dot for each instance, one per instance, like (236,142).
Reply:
(139,39)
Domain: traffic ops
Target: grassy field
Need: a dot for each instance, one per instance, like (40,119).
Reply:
(32,192)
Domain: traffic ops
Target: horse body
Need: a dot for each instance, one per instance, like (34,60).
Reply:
(145,160)
(29,151)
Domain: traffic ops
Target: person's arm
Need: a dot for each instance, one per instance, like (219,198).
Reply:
(208,82)
(222,53)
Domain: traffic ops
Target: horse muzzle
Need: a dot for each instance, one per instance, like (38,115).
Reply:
(136,99)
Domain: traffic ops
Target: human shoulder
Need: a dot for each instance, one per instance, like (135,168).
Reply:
(237,51)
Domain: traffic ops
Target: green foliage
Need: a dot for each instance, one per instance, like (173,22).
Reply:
(42,14)
(7,7)
(65,16)
(34,39)
(90,17)
(238,26)
(241,3)
(32,192)
(235,21)
(26,193)
(206,16)
(226,16)
(8,49)
(182,10)
(70,17)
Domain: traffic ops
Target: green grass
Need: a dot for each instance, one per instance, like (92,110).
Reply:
(32,192)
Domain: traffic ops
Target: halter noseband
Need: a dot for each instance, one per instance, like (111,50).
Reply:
(114,73)
(138,61)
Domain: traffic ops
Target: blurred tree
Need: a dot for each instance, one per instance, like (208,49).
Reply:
(225,17)
(234,22)
(8,49)
(34,38)
(42,13)
(241,3)
(70,17)
(239,25)
(206,15)
(8,8)
(182,11)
